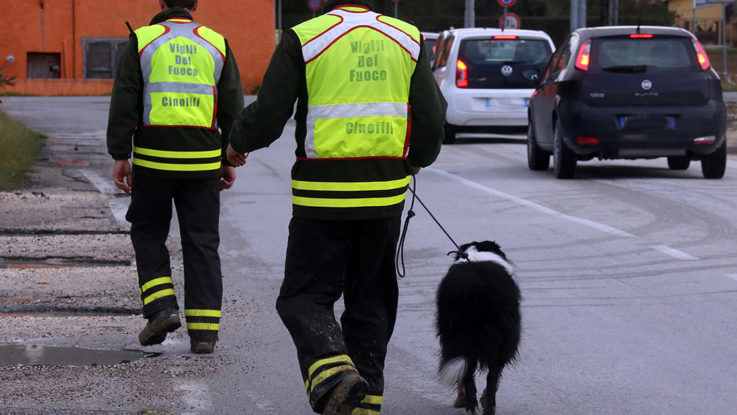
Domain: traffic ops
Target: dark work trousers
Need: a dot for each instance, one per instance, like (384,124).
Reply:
(325,259)
(198,209)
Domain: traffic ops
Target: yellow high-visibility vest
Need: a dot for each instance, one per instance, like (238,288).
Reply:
(358,66)
(181,62)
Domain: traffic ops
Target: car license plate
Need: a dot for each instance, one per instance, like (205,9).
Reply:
(512,102)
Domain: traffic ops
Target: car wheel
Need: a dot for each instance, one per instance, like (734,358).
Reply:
(678,162)
(564,160)
(713,165)
(537,159)
(450,134)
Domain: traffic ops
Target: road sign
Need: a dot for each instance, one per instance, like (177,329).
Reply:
(314,4)
(506,3)
(510,21)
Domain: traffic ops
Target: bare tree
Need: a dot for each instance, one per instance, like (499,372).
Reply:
(5,81)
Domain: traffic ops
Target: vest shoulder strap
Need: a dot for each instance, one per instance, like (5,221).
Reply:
(212,37)
(148,34)
(318,34)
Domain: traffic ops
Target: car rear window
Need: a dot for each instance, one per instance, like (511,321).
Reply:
(643,54)
(504,63)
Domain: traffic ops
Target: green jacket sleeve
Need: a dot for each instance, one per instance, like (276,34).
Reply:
(126,103)
(262,122)
(428,115)
(230,97)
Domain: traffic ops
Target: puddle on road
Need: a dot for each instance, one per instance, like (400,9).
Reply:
(37,355)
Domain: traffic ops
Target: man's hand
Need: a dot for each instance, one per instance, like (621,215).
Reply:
(235,158)
(227,177)
(122,176)
(415,170)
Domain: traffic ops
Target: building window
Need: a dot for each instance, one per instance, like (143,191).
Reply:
(44,65)
(101,56)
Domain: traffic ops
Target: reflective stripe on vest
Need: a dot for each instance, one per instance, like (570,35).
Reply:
(358,69)
(349,194)
(181,63)
(183,161)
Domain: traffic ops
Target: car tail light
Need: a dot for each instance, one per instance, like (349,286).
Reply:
(504,37)
(587,140)
(705,140)
(461,74)
(701,55)
(584,56)
(642,36)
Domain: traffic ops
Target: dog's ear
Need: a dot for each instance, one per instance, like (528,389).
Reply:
(491,246)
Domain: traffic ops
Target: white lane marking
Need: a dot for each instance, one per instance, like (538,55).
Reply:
(196,396)
(261,403)
(119,207)
(540,208)
(102,185)
(674,253)
(732,276)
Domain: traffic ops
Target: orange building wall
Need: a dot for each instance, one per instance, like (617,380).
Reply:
(58,26)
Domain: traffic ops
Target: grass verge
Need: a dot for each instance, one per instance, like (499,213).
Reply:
(19,148)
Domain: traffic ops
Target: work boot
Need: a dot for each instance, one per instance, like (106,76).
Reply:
(346,394)
(165,321)
(201,346)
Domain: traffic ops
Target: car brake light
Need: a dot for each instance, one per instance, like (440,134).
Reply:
(584,57)
(701,55)
(504,37)
(587,140)
(641,36)
(461,74)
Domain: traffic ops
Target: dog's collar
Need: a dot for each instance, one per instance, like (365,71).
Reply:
(476,256)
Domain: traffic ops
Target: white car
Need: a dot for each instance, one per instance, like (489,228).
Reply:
(487,76)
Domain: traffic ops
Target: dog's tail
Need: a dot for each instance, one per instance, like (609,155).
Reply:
(453,371)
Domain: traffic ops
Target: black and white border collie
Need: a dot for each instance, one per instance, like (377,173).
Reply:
(478,323)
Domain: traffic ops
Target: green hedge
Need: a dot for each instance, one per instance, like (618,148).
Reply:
(19,148)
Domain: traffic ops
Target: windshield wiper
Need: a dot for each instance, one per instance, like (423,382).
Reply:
(626,68)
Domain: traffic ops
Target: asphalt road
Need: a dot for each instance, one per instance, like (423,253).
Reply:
(628,276)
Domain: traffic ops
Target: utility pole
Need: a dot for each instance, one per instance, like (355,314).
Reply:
(616,12)
(469,19)
(724,38)
(574,14)
(581,13)
(278,19)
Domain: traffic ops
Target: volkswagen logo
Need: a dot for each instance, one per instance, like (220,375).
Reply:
(646,84)
(507,70)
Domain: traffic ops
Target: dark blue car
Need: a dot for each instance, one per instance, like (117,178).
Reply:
(628,92)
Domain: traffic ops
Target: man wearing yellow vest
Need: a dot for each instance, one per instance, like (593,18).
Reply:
(177,88)
(360,81)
